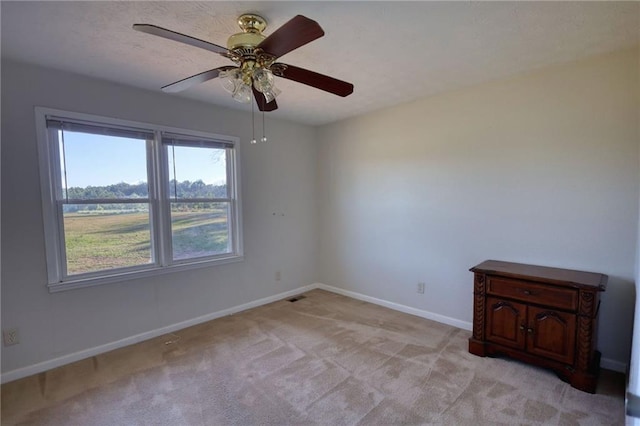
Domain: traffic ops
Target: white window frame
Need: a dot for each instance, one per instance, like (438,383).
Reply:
(159,203)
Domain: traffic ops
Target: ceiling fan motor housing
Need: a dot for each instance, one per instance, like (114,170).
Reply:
(251,35)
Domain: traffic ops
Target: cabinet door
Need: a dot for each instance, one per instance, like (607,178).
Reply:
(552,334)
(506,322)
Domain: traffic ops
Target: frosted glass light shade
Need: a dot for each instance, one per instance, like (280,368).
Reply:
(262,80)
(271,94)
(242,93)
(230,79)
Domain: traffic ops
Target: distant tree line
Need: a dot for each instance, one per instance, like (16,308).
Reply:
(181,190)
(118,190)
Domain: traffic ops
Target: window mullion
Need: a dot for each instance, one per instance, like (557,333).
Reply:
(161,179)
(232,182)
(153,202)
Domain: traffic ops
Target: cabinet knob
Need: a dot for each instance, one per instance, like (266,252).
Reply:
(529,330)
(522,327)
(527,292)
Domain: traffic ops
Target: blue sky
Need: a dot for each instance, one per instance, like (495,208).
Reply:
(99,160)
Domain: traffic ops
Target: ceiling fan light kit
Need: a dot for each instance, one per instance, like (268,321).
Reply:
(255,55)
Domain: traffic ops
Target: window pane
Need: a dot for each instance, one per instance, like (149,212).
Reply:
(197,172)
(200,229)
(99,166)
(106,236)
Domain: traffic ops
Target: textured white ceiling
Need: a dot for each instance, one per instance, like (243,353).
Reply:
(391,51)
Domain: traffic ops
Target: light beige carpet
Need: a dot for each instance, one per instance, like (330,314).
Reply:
(326,359)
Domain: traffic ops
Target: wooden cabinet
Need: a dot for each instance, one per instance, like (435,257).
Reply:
(544,316)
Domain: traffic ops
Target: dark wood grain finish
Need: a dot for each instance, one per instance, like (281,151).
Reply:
(293,34)
(185,83)
(553,334)
(540,315)
(478,310)
(559,297)
(317,80)
(180,38)
(544,274)
(589,302)
(506,321)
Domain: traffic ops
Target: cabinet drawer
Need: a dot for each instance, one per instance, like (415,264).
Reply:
(563,298)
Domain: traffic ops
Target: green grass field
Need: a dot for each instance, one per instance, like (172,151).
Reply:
(106,240)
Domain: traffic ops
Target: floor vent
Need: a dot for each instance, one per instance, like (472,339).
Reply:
(296,298)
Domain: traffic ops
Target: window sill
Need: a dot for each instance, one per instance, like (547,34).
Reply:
(73,284)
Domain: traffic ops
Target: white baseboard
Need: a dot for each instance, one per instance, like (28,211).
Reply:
(465,325)
(97,350)
(611,364)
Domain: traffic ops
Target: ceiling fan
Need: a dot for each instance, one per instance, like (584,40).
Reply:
(255,56)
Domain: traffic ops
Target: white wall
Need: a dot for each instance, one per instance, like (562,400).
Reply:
(277,177)
(634,367)
(539,169)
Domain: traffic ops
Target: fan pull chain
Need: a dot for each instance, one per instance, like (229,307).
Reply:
(264,132)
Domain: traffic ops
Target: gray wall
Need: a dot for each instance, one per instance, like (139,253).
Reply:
(541,169)
(278,176)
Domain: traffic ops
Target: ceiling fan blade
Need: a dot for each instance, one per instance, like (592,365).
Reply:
(185,83)
(172,35)
(263,105)
(297,32)
(313,79)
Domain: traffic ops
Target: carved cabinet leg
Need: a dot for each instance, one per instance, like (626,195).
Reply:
(476,342)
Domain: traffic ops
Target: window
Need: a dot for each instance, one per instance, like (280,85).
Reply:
(124,199)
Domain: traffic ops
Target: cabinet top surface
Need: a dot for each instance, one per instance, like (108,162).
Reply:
(543,273)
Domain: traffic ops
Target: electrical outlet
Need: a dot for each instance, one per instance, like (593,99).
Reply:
(278,275)
(420,288)
(10,336)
